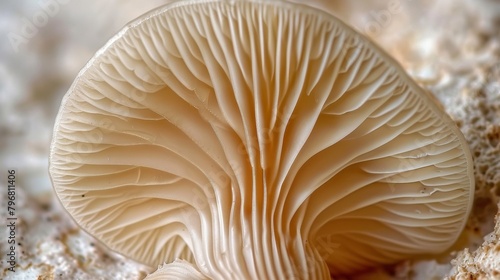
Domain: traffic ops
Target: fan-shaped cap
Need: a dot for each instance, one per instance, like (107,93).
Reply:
(257,140)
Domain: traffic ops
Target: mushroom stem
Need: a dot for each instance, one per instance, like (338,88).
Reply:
(257,140)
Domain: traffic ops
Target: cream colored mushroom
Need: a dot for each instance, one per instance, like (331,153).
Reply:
(257,140)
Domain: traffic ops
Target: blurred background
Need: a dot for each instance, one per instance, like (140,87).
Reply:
(450,47)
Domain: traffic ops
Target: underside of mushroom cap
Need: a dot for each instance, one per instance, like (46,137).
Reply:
(179,270)
(257,140)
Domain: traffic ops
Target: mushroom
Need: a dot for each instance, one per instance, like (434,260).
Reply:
(257,140)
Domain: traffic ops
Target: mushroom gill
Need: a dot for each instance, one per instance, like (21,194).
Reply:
(257,140)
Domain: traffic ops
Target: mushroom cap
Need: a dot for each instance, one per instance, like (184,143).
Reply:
(179,270)
(257,140)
